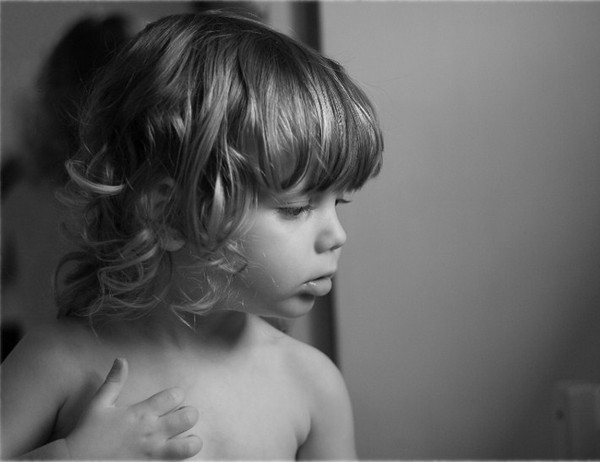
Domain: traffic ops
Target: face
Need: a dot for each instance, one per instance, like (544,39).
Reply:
(292,247)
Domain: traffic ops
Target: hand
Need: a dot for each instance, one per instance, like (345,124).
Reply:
(149,429)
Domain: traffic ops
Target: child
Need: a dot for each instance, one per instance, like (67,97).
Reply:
(214,153)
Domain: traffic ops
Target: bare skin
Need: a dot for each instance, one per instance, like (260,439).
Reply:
(244,389)
(230,387)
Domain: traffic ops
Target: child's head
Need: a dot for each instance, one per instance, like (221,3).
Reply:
(186,128)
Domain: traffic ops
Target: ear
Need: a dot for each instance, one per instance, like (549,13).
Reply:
(158,199)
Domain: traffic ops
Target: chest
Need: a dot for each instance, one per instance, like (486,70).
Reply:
(247,411)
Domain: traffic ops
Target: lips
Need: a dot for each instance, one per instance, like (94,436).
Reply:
(318,287)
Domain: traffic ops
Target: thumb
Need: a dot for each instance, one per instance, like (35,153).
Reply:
(109,391)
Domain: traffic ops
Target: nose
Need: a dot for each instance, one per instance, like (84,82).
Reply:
(331,235)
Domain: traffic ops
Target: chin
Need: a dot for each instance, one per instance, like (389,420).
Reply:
(297,307)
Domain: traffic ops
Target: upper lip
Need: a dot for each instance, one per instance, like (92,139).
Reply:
(328,275)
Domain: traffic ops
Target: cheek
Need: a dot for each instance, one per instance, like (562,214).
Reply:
(271,268)
(268,250)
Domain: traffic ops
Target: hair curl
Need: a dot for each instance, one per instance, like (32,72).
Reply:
(224,107)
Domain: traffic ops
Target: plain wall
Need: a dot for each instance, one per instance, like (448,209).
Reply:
(469,284)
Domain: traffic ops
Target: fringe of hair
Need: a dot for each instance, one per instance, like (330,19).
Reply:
(225,107)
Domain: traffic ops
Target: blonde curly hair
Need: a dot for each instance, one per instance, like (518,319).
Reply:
(213,108)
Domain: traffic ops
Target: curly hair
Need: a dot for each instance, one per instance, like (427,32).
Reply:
(213,108)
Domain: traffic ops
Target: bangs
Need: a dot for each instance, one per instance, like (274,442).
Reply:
(311,125)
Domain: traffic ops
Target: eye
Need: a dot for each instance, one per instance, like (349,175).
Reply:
(344,198)
(294,211)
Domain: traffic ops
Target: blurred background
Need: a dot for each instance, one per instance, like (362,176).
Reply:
(469,288)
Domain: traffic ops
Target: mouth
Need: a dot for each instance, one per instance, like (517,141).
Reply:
(319,286)
(328,275)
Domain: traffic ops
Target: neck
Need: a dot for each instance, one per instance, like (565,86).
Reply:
(220,329)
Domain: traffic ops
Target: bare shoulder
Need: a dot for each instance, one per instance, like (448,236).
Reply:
(310,367)
(52,354)
(62,342)
(38,376)
(332,425)
(56,343)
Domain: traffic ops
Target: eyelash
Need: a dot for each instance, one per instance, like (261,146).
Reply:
(294,212)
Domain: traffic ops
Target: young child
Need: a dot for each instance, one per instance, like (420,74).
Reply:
(214,153)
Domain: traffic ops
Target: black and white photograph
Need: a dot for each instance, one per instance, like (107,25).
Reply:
(300,230)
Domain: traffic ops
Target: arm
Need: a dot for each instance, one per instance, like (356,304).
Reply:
(148,429)
(332,424)
(32,393)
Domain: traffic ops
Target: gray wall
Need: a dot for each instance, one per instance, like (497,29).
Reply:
(470,281)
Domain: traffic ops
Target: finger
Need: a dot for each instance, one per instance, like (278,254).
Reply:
(162,402)
(179,421)
(109,391)
(182,448)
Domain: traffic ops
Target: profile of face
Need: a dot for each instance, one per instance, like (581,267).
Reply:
(292,248)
